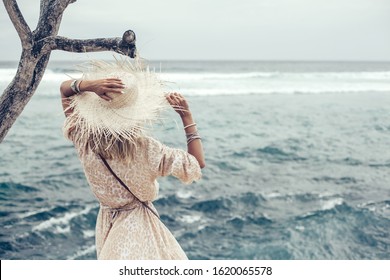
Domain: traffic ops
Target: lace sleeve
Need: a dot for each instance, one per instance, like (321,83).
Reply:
(167,161)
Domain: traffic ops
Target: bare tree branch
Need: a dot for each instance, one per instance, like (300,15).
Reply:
(43,9)
(124,45)
(50,17)
(18,21)
(20,90)
(43,6)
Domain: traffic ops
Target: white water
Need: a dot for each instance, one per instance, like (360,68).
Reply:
(239,83)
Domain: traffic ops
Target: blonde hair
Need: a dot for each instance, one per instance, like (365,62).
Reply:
(108,146)
(122,149)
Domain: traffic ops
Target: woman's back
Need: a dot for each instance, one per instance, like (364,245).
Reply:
(151,160)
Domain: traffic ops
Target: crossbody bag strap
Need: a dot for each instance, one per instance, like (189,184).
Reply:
(126,187)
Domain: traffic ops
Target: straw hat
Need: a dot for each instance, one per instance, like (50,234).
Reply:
(127,115)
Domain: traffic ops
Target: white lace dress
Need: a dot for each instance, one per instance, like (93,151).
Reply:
(125,229)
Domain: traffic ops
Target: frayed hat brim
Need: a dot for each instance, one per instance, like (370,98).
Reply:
(127,116)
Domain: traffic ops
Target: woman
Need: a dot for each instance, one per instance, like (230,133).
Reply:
(106,114)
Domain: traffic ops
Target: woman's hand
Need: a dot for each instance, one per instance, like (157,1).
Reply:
(103,86)
(179,104)
(100,87)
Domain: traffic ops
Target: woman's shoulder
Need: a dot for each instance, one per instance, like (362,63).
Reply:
(151,142)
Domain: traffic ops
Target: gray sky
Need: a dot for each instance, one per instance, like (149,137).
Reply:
(224,29)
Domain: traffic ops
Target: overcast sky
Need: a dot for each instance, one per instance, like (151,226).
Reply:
(224,29)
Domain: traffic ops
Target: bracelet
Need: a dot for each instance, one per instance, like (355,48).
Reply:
(187,126)
(77,85)
(74,87)
(192,136)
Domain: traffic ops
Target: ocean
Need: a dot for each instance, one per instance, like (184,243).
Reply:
(297,165)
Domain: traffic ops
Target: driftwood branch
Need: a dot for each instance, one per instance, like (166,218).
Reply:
(124,45)
(43,7)
(18,21)
(36,50)
(49,6)
(50,17)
